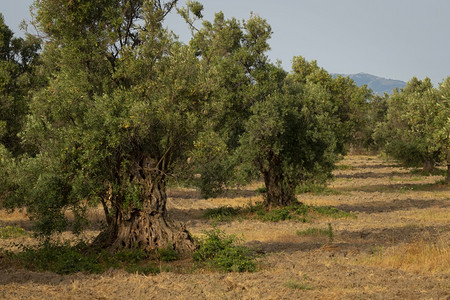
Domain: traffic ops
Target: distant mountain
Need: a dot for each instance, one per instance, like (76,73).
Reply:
(379,85)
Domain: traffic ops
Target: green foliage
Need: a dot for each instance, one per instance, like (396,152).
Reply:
(63,258)
(10,232)
(131,255)
(211,159)
(333,212)
(121,109)
(218,250)
(237,74)
(261,190)
(315,188)
(168,254)
(275,215)
(18,58)
(414,131)
(290,138)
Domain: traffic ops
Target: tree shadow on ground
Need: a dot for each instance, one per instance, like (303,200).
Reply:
(375,166)
(177,193)
(286,247)
(395,205)
(392,236)
(372,175)
(395,188)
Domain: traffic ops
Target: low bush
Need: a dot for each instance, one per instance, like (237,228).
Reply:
(219,251)
(63,258)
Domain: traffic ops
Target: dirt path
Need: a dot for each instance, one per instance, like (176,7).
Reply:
(397,248)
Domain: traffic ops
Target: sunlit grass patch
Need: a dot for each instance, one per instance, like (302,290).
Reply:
(10,232)
(297,284)
(426,216)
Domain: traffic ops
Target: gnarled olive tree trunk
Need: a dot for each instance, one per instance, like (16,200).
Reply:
(429,165)
(278,192)
(148,227)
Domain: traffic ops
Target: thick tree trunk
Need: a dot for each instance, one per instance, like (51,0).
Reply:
(448,171)
(278,193)
(147,227)
(428,165)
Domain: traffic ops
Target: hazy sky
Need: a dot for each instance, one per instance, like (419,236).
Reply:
(396,39)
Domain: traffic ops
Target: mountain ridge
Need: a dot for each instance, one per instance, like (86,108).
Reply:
(379,85)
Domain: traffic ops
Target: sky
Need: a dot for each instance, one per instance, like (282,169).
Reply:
(395,39)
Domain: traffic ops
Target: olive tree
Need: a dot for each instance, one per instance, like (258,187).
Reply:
(442,132)
(121,109)
(290,137)
(407,133)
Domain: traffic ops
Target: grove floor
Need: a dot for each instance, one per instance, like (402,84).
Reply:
(398,247)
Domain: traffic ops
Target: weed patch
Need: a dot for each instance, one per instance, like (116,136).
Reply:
(313,231)
(63,258)
(219,251)
(223,213)
(296,284)
(345,167)
(333,212)
(315,189)
(10,232)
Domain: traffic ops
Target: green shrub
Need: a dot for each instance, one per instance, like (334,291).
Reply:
(168,254)
(58,258)
(261,190)
(332,212)
(315,188)
(275,215)
(63,258)
(218,250)
(131,255)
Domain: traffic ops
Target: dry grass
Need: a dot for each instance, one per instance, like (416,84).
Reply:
(397,248)
(431,215)
(418,257)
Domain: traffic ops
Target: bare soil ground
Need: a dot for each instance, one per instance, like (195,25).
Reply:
(397,248)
